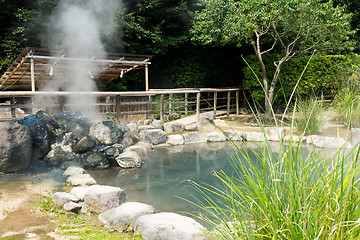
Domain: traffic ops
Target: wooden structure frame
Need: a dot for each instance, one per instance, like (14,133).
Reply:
(33,66)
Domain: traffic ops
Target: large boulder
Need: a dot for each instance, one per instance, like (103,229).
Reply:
(215,137)
(95,160)
(15,147)
(107,132)
(72,171)
(102,198)
(61,198)
(129,159)
(73,122)
(81,180)
(153,136)
(168,225)
(254,136)
(141,150)
(39,136)
(121,217)
(234,135)
(60,154)
(326,142)
(174,127)
(86,144)
(174,140)
(194,137)
(275,134)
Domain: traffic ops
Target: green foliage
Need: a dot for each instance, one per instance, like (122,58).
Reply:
(347,106)
(81,226)
(287,194)
(155,25)
(309,110)
(324,74)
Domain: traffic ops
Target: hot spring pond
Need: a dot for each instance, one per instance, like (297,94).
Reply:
(164,175)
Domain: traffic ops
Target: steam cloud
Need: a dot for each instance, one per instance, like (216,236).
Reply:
(79,25)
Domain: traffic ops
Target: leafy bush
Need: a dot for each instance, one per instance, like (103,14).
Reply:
(347,106)
(309,115)
(287,194)
(324,74)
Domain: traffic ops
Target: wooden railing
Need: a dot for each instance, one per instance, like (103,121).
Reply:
(160,103)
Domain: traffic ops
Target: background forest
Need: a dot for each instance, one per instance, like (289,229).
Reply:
(165,29)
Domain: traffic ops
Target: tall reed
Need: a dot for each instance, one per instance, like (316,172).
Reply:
(284,195)
(309,112)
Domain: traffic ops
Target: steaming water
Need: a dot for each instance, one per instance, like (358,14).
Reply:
(163,177)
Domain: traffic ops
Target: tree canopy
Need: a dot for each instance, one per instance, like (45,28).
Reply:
(291,27)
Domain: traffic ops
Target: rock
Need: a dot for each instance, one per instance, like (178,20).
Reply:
(220,123)
(107,132)
(145,128)
(207,117)
(56,161)
(86,144)
(138,149)
(95,160)
(215,137)
(73,171)
(193,137)
(129,159)
(72,207)
(326,142)
(79,192)
(81,180)
(355,136)
(120,218)
(102,198)
(174,127)
(169,226)
(15,147)
(73,122)
(119,147)
(207,127)
(191,128)
(275,134)
(146,145)
(175,140)
(110,152)
(158,124)
(234,135)
(133,127)
(39,136)
(154,136)
(60,198)
(254,136)
(147,121)
(62,153)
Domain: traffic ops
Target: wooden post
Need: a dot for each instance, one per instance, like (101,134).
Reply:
(12,109)
(150,108)
(61,103)
(146,77)
(215,103)
(186,103)
(32,75)
(162,107)
(108,107)
(237,102)
(118,107)
(228,104)
(170,104)
(198,108)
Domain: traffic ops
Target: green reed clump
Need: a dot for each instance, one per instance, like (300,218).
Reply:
(284,195)
(309,118)
(347,106)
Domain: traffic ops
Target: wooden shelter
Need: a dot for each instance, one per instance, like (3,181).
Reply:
(34,67)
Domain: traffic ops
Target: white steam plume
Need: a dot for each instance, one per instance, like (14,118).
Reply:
(79,24)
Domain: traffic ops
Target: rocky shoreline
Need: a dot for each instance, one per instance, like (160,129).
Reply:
(69,141)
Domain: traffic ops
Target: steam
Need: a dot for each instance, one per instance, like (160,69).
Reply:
(78,25)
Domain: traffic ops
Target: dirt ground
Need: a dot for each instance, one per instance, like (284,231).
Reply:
(19,193)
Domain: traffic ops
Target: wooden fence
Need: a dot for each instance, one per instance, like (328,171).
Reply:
(160,103)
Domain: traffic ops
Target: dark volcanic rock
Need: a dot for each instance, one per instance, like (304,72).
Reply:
(15,147)
(95,160)
(73,122)
(86,144)
(39,136)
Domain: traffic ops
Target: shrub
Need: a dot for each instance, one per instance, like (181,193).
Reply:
(309,118)
(347,106)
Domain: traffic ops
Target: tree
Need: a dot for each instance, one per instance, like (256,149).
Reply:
(293,27)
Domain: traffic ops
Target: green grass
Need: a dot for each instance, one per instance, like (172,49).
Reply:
(347,106)
(82,226)
(309,118)
(284,195)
